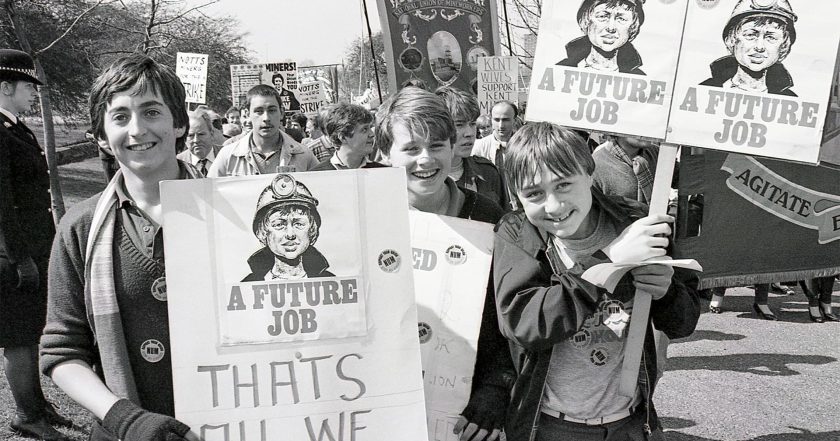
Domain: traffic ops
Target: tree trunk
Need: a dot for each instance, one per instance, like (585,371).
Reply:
(46,115)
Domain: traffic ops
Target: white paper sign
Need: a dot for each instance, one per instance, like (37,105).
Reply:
(754,77)
(192,70)
(451,259)
(312,97)
(606,68)
(498,79)
(291,244)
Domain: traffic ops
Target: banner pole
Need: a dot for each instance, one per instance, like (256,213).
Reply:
(507,26)
(372,52)
(641,302)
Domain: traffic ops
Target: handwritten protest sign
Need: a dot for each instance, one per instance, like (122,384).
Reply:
(437,41)
(606,68)
(283,76)
(192,71)
(312,97)
(498,79)
(451,259)
(328,76)
(754,77)
(292,312)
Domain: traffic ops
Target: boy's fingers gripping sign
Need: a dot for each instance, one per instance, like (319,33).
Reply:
(643,239)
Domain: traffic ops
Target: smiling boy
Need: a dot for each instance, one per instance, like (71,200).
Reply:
(570,335)
(106,342)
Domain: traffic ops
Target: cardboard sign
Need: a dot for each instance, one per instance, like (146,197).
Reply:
(292,311)
(451,260)
(754,77)
(192,70)
(326,74)
(498,79)
(283,76)
(437,41)
(608,69)
(730,204)
(312,97)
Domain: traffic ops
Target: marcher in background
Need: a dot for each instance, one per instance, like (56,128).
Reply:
(760,305)
(350,127)
(569,335)
(819,291)
(106,342)
(472,172)
(26,233)
(266,148)
(414,130)
(314,127)
(298,121)
(483,126)
(625,166)
(492,147)
(322,147)
(201,147)
(233,116)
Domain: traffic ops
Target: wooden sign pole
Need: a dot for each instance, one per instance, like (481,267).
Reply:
(641,302)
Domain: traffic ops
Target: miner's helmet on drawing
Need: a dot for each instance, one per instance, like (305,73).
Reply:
(778,9)
(283,191)
(587,5)
(17,65)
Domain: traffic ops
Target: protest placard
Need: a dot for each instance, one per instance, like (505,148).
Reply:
(498,80)
(192,70)
(605,67)
(328,76)
(733,207)
(451,260)
(282,76)
(437,41)
(291,307)
(312,97)
(754,77)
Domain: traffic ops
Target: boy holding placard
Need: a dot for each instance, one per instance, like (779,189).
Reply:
(570,335)
(106,342)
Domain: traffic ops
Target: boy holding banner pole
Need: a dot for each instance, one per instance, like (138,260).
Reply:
(571,335)
(415,130)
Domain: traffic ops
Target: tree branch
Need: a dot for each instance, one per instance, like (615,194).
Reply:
(181,15)
(69,28)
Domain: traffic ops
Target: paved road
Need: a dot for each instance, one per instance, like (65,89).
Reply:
(737,378)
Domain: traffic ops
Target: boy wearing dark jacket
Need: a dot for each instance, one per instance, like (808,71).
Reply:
(568,336)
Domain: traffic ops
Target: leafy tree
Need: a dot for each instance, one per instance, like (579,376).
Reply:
(359,70)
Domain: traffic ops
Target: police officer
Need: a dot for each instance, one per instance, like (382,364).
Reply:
(26,234)
(287,222)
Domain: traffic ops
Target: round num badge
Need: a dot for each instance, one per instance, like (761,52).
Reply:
(389,261)
(152,351)
(159,288)
(425,332)
(456,255)
(599,356)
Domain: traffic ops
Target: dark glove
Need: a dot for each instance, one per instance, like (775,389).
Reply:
(27,275)
(129,422)
(487,407)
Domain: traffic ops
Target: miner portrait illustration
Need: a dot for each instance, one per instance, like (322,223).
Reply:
(609,27)
(759,35)
(287,223)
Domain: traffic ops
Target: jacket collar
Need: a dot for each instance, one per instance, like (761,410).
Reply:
(243,146)
(778,78)
(314,262)
(627,57)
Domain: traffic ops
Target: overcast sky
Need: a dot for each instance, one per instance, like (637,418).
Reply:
(318,30)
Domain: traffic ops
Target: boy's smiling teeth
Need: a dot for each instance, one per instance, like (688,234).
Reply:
(425,173)
(562,218)
(140,147)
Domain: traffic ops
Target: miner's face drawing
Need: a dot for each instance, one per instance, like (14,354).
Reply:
(288,232)
(759,43)
(609,25)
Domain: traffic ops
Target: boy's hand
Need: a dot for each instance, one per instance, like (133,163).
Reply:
(653,279)
(27,273)
(129,422)
(484,415)
(643,239)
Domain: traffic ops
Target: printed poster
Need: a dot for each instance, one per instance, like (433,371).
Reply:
(754,77)
(498,80)
(292,312)
(451,259)
(192,71)
(312,97)
(437,41)
(607,67)
(731,203)
(282,76)
(328,76)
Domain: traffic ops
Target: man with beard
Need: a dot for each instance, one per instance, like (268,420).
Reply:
(287,223)
(610,27)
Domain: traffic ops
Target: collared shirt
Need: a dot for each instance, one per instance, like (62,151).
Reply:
(9,115)
(340,165)
(266,162)
(144,232)
(322,148)
(194,160)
